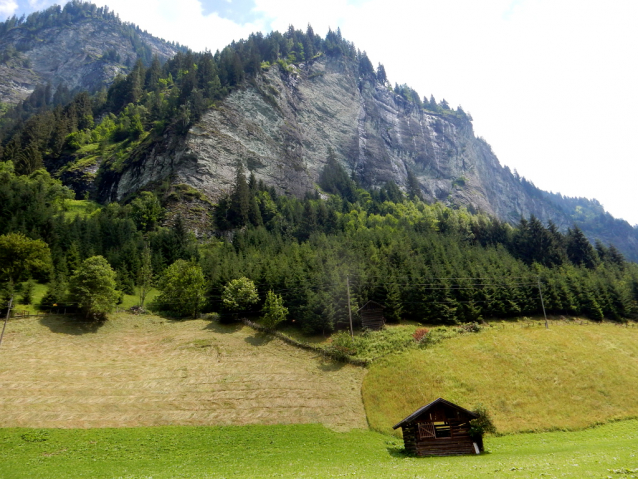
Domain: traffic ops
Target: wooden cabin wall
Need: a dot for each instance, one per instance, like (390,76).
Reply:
(459,443)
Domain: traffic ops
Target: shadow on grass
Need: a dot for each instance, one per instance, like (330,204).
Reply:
(224,328)
(72,325)
(259,339)
(399,452)
(331,365)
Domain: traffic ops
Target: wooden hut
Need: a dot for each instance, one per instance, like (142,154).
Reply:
(440,429)
(372,316)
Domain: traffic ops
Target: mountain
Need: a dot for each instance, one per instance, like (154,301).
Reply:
(281,124)
(279,105)
(80,46)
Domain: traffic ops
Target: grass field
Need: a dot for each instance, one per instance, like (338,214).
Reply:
(310,450)
(531,379)
(81,208)
(148,371)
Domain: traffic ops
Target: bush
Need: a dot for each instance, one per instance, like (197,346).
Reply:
(27,293)
(483,424)
(239,295)
(93,288)
(420,333)
(274,310)
(470,328)
(182,289)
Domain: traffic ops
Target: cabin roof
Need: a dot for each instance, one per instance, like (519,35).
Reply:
(371,303)
(427,407)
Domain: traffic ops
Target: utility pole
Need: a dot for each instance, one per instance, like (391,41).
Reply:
(540,293)
(6,319)
(349,308)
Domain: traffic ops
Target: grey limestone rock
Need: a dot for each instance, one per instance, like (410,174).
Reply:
(281,124)
(72,54)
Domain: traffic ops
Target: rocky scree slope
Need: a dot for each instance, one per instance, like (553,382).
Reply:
(281,125)
(84,55)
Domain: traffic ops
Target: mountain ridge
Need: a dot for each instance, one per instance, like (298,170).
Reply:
(80,45)
(278,105)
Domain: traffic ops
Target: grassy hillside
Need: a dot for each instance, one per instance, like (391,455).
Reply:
(570,376)
(305,451)
(148,371)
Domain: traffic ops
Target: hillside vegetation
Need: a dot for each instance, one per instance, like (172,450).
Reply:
(530,379)
(425,263)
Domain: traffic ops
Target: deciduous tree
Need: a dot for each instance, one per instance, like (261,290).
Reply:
(182,288)
(93,288)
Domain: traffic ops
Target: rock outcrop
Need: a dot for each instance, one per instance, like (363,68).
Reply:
(84,55)
(281,125)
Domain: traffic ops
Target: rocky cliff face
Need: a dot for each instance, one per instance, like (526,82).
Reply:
(84,55)
(281,125)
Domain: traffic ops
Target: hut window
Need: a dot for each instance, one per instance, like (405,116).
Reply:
(426,429)
(442,429)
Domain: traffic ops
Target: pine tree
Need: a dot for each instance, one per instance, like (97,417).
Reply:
(414,188)
(579,249)
(238,213)
(381,75)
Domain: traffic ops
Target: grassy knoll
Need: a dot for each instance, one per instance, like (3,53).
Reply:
(81,208)
(305,451)
(570,376)
(149,371)
(39,290)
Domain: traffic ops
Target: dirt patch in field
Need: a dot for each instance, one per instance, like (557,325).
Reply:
(147,371)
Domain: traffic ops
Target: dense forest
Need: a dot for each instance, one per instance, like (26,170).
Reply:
(423,262)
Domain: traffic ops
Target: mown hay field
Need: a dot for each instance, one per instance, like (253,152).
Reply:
(570,376)
(148,371)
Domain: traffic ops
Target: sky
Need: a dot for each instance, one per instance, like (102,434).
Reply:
(552,85)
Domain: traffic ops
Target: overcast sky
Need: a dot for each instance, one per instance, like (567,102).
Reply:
(552,85)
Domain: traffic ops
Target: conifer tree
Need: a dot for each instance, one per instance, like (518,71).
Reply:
(579,249)
(414,188)
(238,213)
(381,75)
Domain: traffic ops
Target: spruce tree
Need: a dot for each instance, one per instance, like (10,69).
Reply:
(238,213)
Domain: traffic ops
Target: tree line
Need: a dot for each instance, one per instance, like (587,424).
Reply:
(427,263)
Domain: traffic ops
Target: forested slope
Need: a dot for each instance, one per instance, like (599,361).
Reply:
(280,104)
(425,262)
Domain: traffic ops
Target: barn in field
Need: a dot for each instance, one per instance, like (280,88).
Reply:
(440,429)
(372,316)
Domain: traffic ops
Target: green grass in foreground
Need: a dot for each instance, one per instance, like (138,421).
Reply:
(305,451)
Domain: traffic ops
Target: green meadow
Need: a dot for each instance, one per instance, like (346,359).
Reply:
(306,450)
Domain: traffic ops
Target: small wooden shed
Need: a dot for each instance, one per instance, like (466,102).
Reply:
(372,316)
(440,429)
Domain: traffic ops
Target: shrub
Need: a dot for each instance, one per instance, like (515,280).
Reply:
(93,288)
(182,288)
(239,295)
(483,424)
(470,328)
(420,333)
(274,310)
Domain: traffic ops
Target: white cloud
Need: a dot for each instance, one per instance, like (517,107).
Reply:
(8,7)
(182,21)
(40,4)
